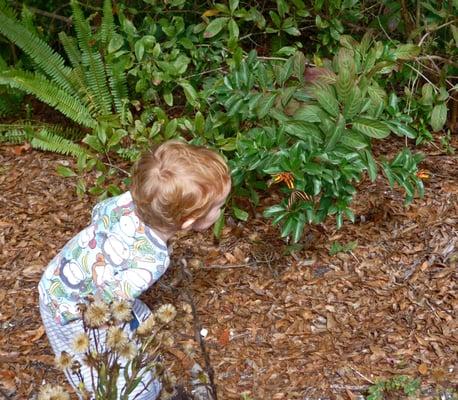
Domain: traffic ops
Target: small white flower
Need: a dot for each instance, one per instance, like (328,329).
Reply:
(121,310)
(64,361)
(129,351)
(116,338)
(80,342)
(51,392)
(97,314)
(146,327)
(187,308)
(166,313)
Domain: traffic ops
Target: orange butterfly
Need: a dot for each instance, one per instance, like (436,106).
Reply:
(286,177)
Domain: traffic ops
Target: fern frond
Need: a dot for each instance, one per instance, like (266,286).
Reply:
(73,134)
(13,136)
(50,93)
(108,26)
(92,60)
(7,10)
(78,76)
(71,48)
(118,84)
(21,131)
(49,141)
(10,101)
(42,55)
(129,154)
(27,20)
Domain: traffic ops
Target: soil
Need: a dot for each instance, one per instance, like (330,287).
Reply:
(282,323)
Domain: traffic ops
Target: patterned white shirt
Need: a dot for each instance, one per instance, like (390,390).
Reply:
(116,257)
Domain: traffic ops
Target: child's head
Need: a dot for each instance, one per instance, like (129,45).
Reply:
(180,186)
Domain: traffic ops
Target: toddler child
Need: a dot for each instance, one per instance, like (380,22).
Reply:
(123,251)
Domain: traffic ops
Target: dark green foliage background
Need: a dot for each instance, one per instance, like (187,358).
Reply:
(297,87)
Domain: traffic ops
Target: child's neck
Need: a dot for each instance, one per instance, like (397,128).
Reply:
(165,236)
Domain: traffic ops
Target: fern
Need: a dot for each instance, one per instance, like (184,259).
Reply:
(42,55)
(108,25)
(27,20)
(50,93)
(118,84)
(10,101)
(74,134)
(71,48)
(129,154)
(7,10)
(92,60)
(13,136)
(20,132)
(50,141)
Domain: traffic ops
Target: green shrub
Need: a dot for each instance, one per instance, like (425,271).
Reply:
(317,137)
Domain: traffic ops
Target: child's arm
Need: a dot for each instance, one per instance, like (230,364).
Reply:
(130,283)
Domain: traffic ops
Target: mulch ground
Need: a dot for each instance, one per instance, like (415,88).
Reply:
(305,325)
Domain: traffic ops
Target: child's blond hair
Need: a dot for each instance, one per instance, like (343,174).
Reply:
(176,182)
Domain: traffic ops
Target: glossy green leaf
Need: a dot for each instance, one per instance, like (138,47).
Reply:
(168,98)
(170,129)
(371,127)
(438,117)
(116,137)
(116,43)
(190,93)
(309,113)
(334,138)
(233,5)
(240,214)
(65,171)
(326,97)
(139,50)
(215,27)
(199,123)
(299,64)
(265,104)
(219,225)
(298,228)
(371,165)
(406,51)
(233,29)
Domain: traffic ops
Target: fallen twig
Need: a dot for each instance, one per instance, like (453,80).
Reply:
(229,266)
(197,329)
(361,375)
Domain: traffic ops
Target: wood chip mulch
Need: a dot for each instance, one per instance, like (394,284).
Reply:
(304,325)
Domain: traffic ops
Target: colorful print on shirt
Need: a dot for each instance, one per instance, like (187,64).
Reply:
(115,257)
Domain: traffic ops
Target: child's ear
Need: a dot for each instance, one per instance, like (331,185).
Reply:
(187,224)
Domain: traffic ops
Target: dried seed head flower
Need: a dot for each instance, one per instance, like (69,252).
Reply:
(76,366)
(64,361)
(169,379)
(189,348)
(166,338)
(97,314)
(146,327)
(121,310)
(129,351)
(51,392)
(80,342)
(116,338)
(187,308)
(91,359)
(82,307)
(159,368)
(166,313)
